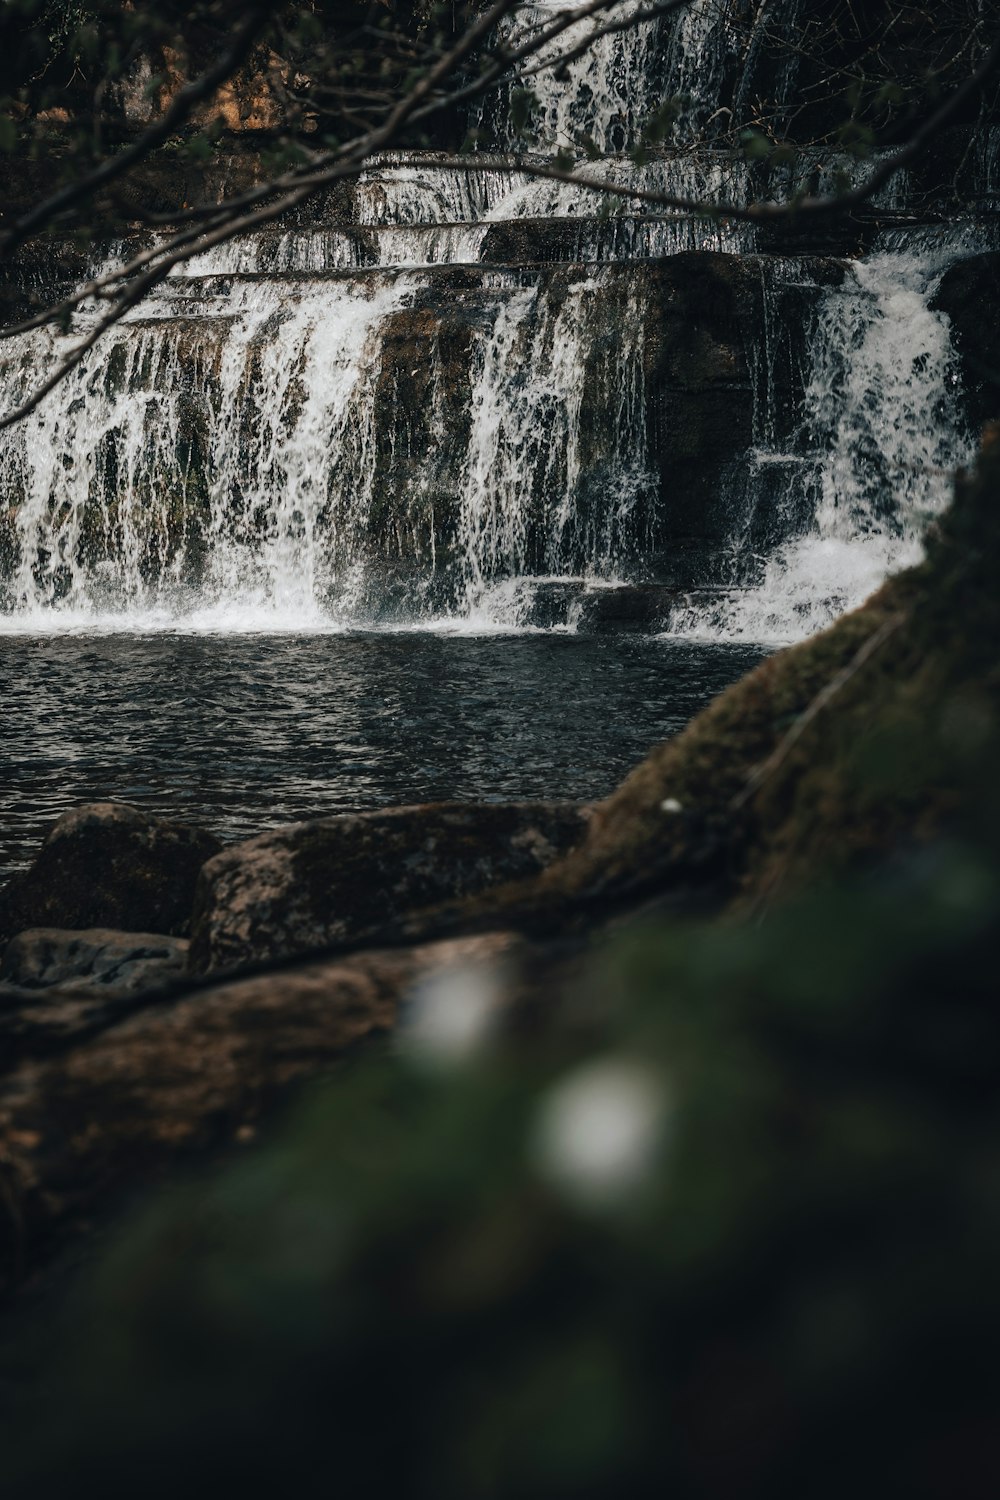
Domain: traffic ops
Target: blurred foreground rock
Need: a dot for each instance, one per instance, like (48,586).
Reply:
(184,1075)
(107,864)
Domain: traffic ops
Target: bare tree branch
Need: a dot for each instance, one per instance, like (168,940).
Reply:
(766,209)
(177,114)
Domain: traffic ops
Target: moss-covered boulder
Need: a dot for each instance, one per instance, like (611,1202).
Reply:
(101,1091)
(354,877)
(107,864)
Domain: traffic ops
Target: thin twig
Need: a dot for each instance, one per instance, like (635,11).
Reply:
(177,114)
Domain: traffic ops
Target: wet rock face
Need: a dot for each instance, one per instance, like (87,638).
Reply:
(970,294)
(422,400)
(96,956)
(107,864)
(341,879)
(698,318)
(704,374)
(663,408)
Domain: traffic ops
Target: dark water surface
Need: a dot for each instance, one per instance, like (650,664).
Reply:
(244,732)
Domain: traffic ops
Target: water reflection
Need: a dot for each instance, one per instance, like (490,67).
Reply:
(244,732)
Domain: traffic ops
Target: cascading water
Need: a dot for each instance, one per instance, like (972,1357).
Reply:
(422,405)
(531,493)
(217,460)
(602,96)
(880,439)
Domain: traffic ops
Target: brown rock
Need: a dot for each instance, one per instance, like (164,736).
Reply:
(106,864)
(344,879)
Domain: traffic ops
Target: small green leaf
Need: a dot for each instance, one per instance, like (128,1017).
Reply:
(199,147)
(522,102)
(756,145)
(889,93)
(661,122)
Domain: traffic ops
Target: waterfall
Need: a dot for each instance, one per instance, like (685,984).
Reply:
(220,458)
(602,97)
(434,391)
(699,47)
(873,460)
(527,442)
(241,452)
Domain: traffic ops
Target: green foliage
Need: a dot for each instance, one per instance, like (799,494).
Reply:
(661,122)
(756,146)
(200,147)
(522,103)
(802,1265)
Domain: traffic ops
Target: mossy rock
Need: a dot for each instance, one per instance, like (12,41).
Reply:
(107,864)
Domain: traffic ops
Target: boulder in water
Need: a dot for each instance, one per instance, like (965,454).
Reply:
(106,864)
(99,956)
(344,879)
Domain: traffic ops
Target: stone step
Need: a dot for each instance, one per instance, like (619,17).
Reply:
(605,609)
(776,269)
(526,242)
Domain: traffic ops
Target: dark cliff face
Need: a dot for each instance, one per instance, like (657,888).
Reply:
(970,294)
(710,370)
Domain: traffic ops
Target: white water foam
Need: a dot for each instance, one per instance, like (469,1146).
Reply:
(603,96)
(217,462)
(533,495)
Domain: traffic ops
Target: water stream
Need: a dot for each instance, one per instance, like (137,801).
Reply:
(243,732)
(880,438)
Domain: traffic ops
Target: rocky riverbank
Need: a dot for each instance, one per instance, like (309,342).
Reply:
(129,1050)
(797,1113)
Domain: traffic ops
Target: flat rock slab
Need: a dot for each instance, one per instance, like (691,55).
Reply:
(107,864)
(95,956)
(342,879)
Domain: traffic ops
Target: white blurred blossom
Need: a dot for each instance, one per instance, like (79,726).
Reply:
(598,1131)
(452,1014)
